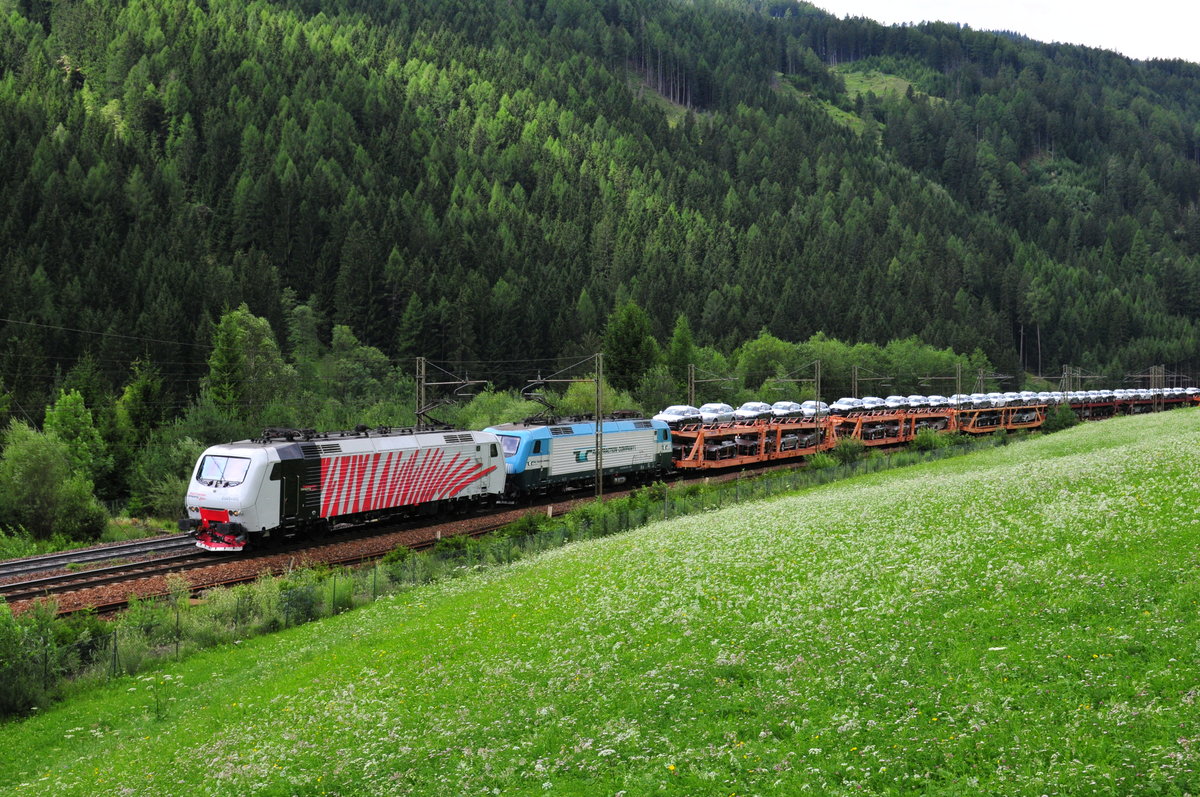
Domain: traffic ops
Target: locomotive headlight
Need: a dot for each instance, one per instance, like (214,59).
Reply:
(235,512)
(193,509)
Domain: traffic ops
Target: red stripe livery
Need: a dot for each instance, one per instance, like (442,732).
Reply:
(364,482)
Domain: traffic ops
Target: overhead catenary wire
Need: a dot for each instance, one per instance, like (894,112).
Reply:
(105,334)
(508,372)
(499,369)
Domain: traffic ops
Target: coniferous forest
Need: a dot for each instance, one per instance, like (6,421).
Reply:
(198,192)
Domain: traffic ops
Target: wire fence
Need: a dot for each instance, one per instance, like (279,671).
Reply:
(44,657)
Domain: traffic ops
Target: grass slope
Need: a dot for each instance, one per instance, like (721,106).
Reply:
(873,80)
(674,112)
(1022,621)
(844,118)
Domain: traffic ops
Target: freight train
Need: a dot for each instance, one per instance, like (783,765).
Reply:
(291,482)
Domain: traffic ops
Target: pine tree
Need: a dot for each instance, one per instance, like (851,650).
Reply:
(629,347)
(226,365)
(70,420)
(681,350)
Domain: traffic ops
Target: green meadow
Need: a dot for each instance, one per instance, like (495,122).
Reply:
(1023,620)
(873,80)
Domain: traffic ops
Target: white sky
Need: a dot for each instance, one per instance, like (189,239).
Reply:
(1144,29)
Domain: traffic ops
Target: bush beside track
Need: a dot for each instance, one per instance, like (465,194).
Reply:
(1020,621)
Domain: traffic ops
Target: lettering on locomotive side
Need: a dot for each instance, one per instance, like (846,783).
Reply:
(585,454)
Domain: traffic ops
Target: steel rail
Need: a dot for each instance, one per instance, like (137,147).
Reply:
(57,561)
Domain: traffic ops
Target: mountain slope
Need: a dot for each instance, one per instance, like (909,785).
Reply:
(471,180)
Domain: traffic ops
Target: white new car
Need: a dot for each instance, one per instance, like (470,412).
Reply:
(715,412)
(752,411)
(813,408)
(846,405)
(786,409)
(679,415)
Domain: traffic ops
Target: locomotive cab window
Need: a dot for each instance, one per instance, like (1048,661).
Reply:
(510,444)
(218,471)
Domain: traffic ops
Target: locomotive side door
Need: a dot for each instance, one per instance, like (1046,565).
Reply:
(289,491)
(291,495)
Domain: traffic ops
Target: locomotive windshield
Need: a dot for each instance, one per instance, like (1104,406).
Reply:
(217,471)
(509,444)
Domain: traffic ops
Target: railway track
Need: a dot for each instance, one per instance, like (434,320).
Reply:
(87,556)
(181,554)
(352,558)
(46,586)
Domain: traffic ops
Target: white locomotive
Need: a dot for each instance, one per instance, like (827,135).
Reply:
(291,481)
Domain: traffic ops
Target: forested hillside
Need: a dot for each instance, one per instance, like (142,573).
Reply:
(478,181)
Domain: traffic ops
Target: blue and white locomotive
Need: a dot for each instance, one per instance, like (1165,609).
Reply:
(540,457)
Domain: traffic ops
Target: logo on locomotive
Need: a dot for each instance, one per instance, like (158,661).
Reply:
(585,454)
